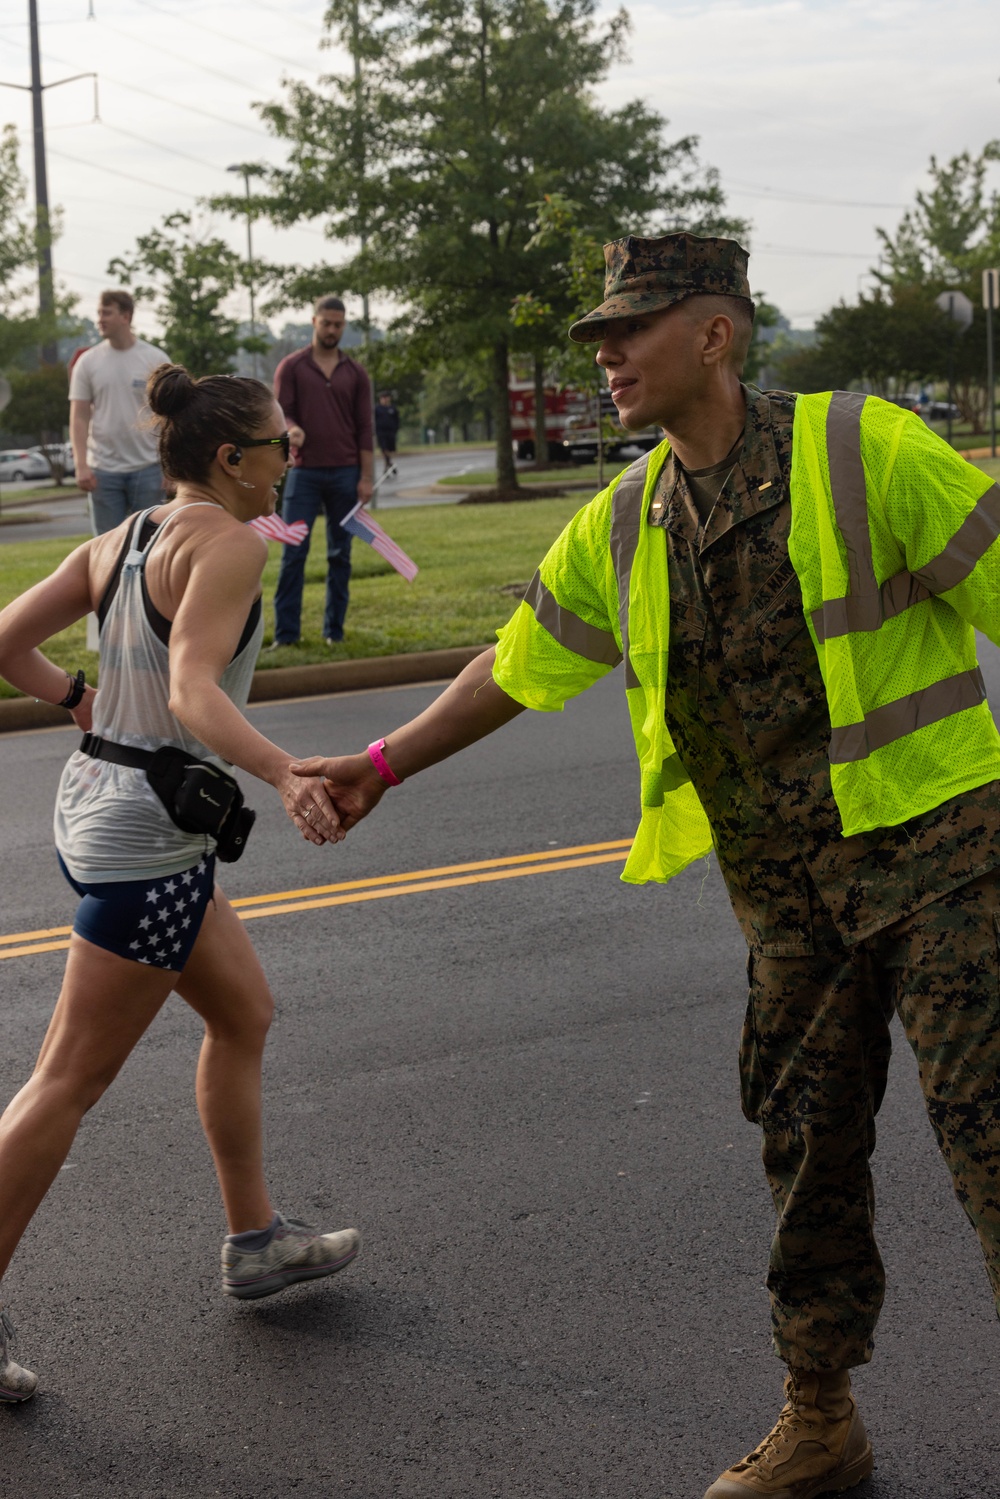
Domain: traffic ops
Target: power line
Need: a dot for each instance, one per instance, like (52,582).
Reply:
(179,57)
(233,40)
(756,189)
(821,254)
(159,146)
(128,176)
(162,99)
(286,15)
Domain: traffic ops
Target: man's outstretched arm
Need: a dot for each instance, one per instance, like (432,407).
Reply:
(469,709)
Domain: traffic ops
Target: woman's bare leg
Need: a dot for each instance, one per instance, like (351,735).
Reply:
(105,1005)
(224,982)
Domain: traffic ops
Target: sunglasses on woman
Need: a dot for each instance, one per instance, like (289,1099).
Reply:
(284,442)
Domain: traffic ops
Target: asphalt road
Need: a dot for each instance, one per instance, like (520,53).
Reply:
(414,472)
(523,1091)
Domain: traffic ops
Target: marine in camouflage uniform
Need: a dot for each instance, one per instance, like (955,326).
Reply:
(842,932)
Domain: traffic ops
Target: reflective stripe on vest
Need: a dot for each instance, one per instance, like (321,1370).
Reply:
(568,628)
(628,516)
(627,519)
(867,605)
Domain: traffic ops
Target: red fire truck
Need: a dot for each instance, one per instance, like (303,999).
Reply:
(570,424)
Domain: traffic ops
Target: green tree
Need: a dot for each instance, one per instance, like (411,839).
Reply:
(460,116)
(21,328)
(889,342)
(187,279)
(39,405)
(766,317)
(943,243)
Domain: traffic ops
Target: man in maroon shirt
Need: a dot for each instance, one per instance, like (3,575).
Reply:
(327,400)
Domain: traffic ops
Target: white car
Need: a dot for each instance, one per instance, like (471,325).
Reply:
(17,464)
(60,451)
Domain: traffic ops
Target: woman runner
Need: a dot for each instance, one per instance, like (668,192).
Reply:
(177,593)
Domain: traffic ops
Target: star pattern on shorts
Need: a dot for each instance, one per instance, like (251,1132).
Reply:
(158,934)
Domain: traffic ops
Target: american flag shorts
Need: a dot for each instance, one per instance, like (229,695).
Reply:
(150,921)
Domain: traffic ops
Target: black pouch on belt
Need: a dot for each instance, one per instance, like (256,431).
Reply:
(198,796)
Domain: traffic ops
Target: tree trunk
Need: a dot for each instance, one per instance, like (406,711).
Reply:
(506,472)
(541,440)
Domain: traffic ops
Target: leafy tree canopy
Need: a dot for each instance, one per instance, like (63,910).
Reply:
(897,338)
(21,328)
(39,406)
(187,278)
(460,117)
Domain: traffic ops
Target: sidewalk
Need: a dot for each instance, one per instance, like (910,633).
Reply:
(281,682)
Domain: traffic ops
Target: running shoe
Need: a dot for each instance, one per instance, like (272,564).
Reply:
(15,1383)
(295,1252)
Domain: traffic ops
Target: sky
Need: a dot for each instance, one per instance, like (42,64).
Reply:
(820,116)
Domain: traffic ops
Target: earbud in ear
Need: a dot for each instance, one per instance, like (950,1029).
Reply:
(236,456)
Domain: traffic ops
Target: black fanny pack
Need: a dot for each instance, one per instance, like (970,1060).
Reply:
(199,797)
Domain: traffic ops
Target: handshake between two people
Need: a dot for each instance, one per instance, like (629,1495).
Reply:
(325,798)
(345,788)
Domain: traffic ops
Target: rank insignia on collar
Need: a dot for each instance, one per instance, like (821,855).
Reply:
(765,486)
(656,510)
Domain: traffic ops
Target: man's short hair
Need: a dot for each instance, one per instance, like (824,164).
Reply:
(739,310)
(123,300)
(329,303)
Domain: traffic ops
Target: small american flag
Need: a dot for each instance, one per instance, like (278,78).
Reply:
(273,528)
(360,524)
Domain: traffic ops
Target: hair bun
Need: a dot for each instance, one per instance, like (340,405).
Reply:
(168,390)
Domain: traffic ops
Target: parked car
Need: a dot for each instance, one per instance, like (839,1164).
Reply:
(908,403)
(938,411)
(17,464)
(61,452)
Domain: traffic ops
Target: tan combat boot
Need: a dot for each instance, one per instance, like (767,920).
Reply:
(819,1445)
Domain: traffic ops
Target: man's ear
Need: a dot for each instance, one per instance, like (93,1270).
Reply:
(719,333)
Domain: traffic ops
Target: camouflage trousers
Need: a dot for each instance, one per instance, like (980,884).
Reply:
(814,1059)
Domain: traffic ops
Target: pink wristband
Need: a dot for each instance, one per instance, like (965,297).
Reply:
(380,763)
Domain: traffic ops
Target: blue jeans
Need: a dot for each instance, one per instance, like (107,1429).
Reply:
(307,492)
(121,495)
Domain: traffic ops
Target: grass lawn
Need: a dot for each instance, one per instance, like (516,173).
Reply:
(19,497)
(584,473)
(466,556)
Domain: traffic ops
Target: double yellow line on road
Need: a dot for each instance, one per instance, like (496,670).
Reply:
(352,892)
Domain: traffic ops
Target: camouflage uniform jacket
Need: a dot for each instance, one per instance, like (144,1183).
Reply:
(746,709)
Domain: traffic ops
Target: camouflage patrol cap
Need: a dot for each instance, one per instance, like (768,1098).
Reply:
(645,275)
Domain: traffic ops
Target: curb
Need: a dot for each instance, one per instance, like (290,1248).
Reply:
(289,681)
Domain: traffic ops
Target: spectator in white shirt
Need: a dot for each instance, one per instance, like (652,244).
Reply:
(114,445)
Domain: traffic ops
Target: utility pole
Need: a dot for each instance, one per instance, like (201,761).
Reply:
(43,236)
(360,157)
(957,307)
(246,173)
(991,300)
(359,137)
(46,286)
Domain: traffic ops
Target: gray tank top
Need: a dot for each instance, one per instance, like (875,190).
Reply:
(109,823)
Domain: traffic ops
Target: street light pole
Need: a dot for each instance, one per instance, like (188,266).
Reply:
(43,236)
(245,172)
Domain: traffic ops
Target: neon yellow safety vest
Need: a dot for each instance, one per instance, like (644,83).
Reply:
(894,542)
